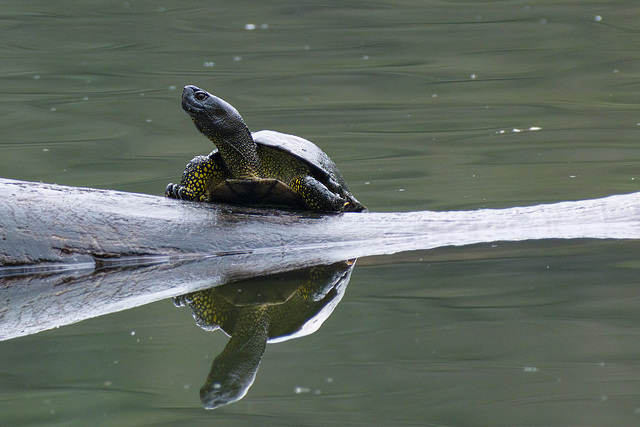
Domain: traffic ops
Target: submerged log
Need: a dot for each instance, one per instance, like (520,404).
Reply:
(68,253)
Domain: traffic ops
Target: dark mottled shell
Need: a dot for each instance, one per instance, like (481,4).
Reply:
(306,151)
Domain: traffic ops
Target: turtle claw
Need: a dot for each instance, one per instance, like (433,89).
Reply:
(171,191)
(350,206)
(180,301)
(176,191)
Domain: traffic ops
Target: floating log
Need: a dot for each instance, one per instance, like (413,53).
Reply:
(69,253)
(49,225)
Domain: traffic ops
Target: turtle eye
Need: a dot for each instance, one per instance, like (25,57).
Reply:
(200,96)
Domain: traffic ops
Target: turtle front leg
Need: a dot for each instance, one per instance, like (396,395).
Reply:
(317,196)
(198,176)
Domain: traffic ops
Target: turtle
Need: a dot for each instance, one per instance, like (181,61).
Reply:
(265,168)
(254,312)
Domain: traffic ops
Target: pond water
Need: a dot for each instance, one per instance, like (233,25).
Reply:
(438,105)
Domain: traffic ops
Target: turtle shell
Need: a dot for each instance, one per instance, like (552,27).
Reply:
(261,291)
(308,152)
(273,192)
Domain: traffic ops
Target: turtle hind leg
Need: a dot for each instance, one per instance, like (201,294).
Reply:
(199,175)
(317,196)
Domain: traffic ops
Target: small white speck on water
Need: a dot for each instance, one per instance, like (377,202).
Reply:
(473,76)
(249,27)
(36,77)
(530,369)
(367,182)
(86,98)
(132,333)
(401,189)
(306,47)
(237,58)
(264,26)
(172,87)
(45,150)
(148,120)
(300,390)
(186,386)
(108,383)
(597,18)
(209,63)
(365,57)
(53,108)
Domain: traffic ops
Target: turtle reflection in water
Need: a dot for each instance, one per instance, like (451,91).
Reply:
(253,312)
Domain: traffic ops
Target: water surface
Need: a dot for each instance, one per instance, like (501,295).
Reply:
(423,105)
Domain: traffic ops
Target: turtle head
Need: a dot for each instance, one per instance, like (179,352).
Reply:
(223,125)
(213,116)
(228,390)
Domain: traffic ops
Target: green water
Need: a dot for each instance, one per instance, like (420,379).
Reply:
(423,105)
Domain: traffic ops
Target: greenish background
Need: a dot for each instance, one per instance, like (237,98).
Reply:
(436,105)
